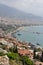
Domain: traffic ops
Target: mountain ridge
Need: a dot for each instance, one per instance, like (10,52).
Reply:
(6,11)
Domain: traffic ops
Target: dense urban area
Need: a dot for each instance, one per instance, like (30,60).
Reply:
(15,52)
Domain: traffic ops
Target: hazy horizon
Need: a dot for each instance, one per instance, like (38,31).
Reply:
(29,6)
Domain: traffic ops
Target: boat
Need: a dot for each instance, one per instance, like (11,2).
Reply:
(38,44)
(37,33)
(19,34)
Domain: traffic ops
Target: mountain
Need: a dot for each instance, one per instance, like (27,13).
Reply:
(6,11)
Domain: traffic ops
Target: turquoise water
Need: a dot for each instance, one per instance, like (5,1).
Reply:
(33,34)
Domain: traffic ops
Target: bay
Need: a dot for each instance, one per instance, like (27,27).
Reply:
(33,34)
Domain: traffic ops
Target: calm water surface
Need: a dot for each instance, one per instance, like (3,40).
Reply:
(33,34)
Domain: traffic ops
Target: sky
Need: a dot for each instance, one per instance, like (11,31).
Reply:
(29,6)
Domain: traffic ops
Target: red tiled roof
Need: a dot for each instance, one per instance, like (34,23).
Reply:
(24,52)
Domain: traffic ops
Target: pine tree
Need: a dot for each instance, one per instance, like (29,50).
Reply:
(34,53)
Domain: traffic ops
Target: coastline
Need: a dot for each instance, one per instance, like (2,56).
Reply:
(9,34)
(21,28)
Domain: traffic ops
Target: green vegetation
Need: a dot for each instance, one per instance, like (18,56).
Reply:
(13,49)
(13,56)
(2,54)
(26,61)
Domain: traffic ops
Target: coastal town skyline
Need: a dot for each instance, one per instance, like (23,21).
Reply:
(21,32)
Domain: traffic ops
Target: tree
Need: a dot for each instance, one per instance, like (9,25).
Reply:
(15,50)
(34,53)
(42,57)
(38,57)
(11,49)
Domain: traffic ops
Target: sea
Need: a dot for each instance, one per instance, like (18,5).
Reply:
(32,34)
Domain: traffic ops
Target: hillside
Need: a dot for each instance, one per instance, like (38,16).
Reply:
(9,12)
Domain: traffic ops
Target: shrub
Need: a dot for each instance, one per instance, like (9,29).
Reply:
(13,56)
(27,61)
